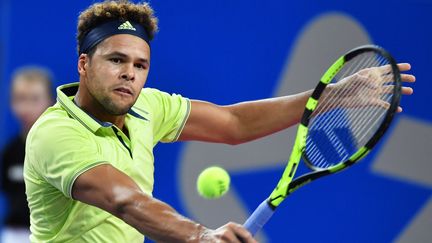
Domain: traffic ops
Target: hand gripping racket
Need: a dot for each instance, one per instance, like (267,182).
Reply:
(346,115)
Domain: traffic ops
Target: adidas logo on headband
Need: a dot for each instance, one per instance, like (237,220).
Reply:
(110,28)
(126,26)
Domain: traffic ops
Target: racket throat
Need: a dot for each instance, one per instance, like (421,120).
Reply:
(282,190)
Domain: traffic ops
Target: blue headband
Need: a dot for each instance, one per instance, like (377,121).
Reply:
(103,31)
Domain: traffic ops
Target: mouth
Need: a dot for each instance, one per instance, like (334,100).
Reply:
(124,91)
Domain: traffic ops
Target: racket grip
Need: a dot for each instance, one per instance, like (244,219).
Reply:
(259,217)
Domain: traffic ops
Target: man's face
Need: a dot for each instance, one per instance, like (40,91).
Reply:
(117,72)
(29,99)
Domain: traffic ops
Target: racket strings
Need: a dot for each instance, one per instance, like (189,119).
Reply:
(362,128)
(350,69)
(351,112)
(333,139)
(324,106)
(361,114)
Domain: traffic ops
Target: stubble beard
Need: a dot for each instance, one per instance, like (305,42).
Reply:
(111,108)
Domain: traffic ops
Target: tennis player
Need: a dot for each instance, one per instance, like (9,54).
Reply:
(89,158)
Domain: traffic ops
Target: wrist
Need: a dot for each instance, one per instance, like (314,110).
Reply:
(201,234)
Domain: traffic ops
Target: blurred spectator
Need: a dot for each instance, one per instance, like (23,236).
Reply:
(31,94)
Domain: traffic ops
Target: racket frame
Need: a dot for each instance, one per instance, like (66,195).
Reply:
(286,184)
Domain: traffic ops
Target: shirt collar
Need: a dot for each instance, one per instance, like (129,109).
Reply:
(65,95)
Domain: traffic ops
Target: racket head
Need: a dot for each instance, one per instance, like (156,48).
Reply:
(351,108)
(311,126)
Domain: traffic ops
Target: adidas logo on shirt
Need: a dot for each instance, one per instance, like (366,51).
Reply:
(126,26)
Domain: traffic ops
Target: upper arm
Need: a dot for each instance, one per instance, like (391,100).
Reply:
(209,122)
(105,187)
(59,151)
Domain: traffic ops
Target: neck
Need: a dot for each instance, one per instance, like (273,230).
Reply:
(85,101)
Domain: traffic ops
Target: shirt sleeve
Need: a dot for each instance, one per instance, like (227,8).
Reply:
(61,150)
(169,113)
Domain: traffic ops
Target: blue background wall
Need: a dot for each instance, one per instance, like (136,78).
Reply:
(229,51)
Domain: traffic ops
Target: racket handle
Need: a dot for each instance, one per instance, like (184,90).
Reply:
(259,217)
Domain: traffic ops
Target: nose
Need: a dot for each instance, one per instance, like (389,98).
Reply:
(128,73)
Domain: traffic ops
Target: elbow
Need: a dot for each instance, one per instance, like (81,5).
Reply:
(233,142)
(235,137)
(238,141)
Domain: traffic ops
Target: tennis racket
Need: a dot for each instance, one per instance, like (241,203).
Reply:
(348,112)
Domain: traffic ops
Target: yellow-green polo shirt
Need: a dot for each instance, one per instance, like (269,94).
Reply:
(66,141)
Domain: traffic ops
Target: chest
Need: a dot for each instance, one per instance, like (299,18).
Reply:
(132,154)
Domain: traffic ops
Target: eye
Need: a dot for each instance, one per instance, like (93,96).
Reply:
(141,66)
(115,60)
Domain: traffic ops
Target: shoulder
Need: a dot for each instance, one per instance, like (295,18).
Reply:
(53,125)
(155,94)
(151,94)
(150,100)
(57,137)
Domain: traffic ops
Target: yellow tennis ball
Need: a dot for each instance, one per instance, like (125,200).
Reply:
(213,182)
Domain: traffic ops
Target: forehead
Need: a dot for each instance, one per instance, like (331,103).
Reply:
(128,44)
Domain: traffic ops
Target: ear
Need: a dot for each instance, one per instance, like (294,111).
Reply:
(83,61)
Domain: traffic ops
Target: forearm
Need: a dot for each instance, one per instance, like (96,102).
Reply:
(158,220)
(242,122)
(111,190)
(255,119)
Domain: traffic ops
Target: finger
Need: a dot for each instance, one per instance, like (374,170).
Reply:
(374,72)
(383,104)
(245,236)
(384,68)
(386,106)
(387,68)
(242,234)
(389,89)
(387,77)
(407,91)
(404,67)
(404,77)
(408,78)
(231,237)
